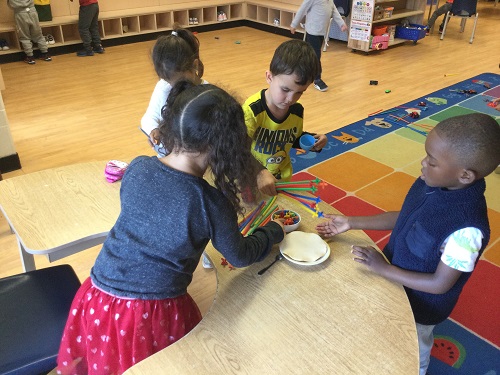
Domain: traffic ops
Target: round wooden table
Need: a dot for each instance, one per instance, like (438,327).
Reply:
(332,318)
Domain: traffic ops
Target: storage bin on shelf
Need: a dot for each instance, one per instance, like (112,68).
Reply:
(412,32)
(388,12)
(379,30)
(391,30)
(378,13)
(379,42)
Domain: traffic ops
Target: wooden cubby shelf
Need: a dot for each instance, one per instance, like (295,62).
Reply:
(151,16)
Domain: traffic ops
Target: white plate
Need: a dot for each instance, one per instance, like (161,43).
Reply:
(317,261)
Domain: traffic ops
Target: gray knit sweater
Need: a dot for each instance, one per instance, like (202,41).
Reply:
(167,218)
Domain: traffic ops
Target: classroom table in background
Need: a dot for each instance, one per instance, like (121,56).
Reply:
(332,318)
(60,211)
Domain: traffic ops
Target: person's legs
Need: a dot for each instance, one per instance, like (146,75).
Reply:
(37,36)
(94,24)
(425,343)
(85,17)
(23,30)
(316,42)
(437,13)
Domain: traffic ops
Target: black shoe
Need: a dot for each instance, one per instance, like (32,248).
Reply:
(441,27)
(98,49)
(45,56)
(29,60)
(85,52)
(320,85)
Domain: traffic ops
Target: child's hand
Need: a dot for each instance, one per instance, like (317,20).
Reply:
(338,224)
(343,28)
(371,258)
(281,222)
(266,182)
(321,141)
(497,102)
(292,30)
(154,137)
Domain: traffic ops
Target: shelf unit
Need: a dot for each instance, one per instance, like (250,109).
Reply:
(271,13)
(362,20)
(158,18)
(117,24)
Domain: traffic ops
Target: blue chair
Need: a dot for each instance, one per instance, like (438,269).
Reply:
(463,9)
(34,307)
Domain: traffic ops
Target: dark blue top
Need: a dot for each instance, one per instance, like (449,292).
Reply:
(167,218)
(428,216)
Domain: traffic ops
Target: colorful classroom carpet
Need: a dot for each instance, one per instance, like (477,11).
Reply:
(369,167)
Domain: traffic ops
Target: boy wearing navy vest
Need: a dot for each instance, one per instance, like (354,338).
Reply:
(442,228)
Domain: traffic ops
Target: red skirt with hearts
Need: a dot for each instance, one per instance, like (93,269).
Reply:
(105,334)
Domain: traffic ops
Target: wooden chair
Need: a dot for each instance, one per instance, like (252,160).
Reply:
(34,307)
(463,9)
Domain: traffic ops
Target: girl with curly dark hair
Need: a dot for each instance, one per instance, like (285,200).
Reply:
(135,301)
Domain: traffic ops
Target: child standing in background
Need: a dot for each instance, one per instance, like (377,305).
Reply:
(135,302)
(175,56)
(273,116)
(88,27)
(318,14)
(28,28)
(442,228)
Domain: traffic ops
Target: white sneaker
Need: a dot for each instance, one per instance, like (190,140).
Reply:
(205,261)
(50,39)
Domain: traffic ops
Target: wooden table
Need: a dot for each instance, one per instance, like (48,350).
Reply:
(60,211)
(333,318)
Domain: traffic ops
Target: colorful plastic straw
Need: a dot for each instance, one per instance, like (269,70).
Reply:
(315,181)
(312,189)
(261,219)
(250,216)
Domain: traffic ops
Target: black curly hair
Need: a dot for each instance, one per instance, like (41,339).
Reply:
(206,119)
(176,52)
(474,139)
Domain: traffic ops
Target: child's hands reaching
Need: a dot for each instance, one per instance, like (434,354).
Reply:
(154,137)
(266,182)
(371,258)
(321,141)
(338,224)
(497,104)
(281,223)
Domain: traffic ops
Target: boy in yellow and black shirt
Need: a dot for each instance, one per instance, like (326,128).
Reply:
(273,116)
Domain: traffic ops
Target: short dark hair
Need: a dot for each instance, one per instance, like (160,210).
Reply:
(474,139)
(295,57)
